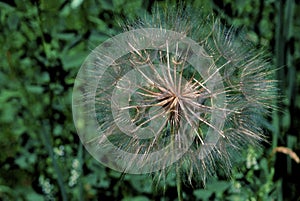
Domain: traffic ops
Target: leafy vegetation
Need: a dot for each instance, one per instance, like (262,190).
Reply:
(44,43)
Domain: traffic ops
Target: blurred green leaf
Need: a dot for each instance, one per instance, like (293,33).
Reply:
(137,198)
(202,194)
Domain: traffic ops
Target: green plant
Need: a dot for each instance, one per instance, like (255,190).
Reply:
(43,44)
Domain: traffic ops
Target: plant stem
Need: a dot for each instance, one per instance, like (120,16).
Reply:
(178,183)
(174,129)
(59,174)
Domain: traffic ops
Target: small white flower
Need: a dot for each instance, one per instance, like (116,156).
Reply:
(47,187)
(59,151)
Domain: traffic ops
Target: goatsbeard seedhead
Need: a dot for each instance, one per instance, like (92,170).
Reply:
(172,89)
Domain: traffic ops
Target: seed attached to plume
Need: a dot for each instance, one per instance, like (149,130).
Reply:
(172,89)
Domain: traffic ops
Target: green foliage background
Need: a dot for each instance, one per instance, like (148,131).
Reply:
(43,44)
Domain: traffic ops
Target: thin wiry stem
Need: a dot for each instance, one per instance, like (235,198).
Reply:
(178,183)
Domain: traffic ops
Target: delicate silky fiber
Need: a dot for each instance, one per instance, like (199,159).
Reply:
(175,90)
